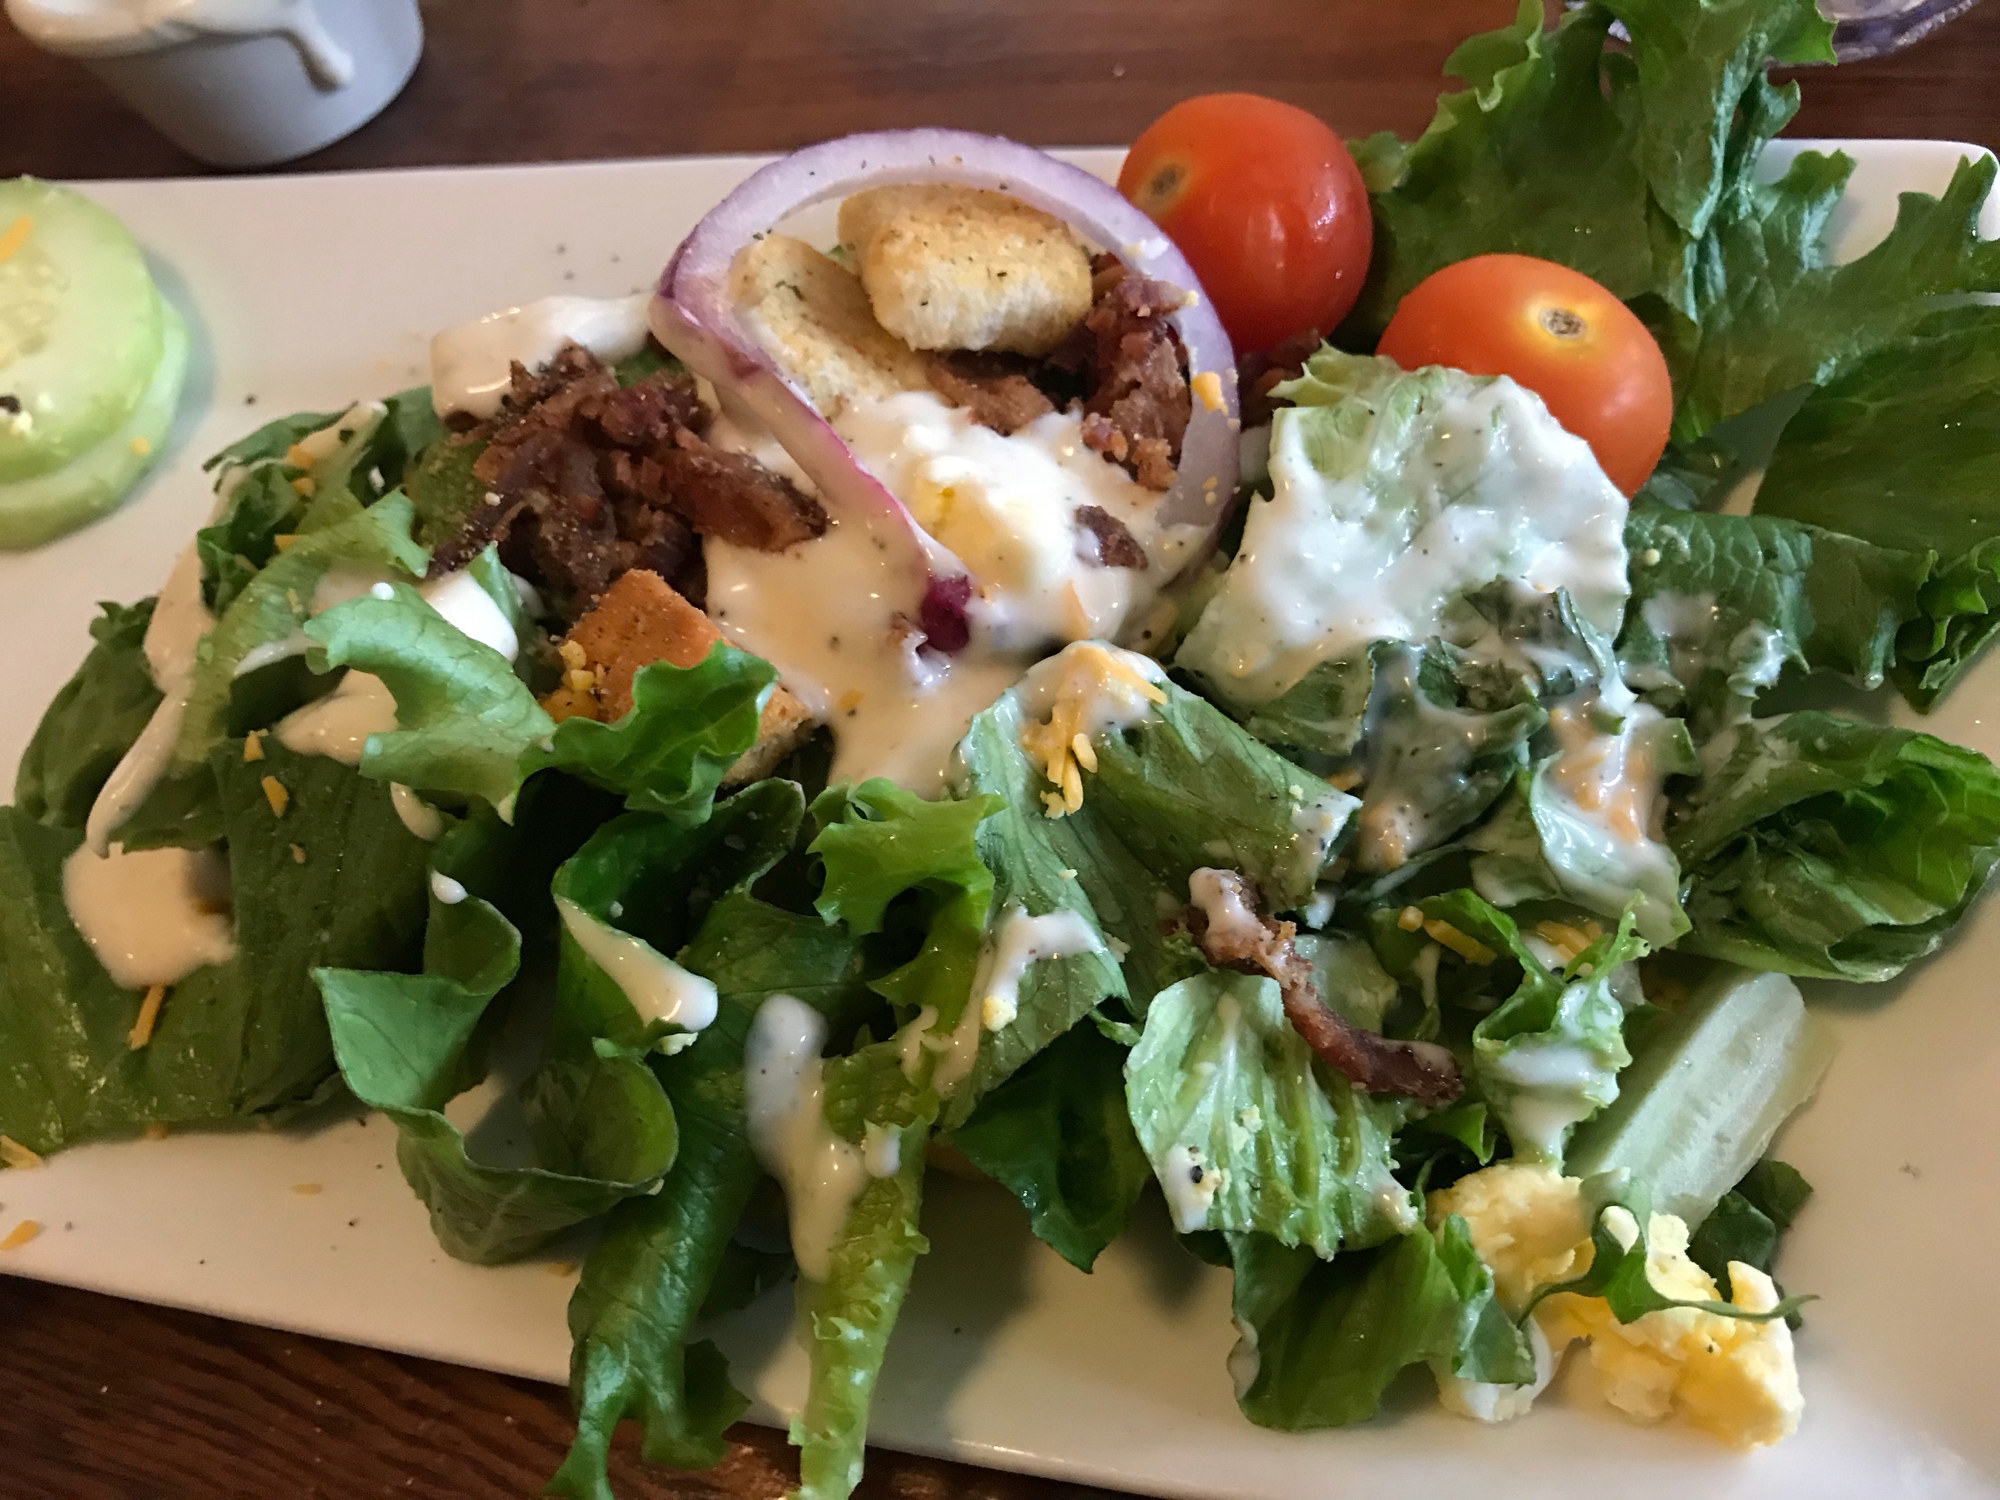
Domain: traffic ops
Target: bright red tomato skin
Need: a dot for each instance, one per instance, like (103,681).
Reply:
(1267,205)
(1555,331)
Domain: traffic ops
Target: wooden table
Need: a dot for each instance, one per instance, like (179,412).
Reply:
(108,1400)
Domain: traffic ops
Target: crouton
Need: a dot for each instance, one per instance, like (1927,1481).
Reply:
(812,316)
(961,268)
(640,621)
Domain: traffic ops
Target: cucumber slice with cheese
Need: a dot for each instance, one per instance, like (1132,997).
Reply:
(81,326)
(44,506)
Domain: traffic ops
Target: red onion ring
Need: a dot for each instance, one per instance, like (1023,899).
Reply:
(694,316)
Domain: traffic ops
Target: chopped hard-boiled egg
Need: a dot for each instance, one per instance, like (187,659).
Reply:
(1728,1376)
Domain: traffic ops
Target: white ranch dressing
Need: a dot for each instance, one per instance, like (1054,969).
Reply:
(472,365)
(829,615)
(120,28)
(1218,895)
(340,725)
(152,916)
(821,1172)
(1553,1078)
(1006,506)
(1333,562)
(180,620)
(1016,941)
(415,814)
(360,706)
(658,988)
(447,890)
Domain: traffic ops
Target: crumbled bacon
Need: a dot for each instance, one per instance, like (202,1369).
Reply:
(586,480)
(997,389)
(1104,541)
(1139,393)
(1375,1063)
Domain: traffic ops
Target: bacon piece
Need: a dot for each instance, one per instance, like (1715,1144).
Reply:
(1105,541)
(587,479)
(995,388)
(1225,924)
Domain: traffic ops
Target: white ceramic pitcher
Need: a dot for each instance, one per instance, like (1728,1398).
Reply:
(238,83)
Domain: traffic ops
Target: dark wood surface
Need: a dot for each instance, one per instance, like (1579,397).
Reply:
(109,1400)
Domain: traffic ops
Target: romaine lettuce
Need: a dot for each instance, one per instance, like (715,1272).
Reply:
(336,880)
(1828,847)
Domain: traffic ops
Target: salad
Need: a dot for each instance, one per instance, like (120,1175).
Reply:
(1330,721)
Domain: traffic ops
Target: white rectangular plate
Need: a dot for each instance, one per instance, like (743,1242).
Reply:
(307,292)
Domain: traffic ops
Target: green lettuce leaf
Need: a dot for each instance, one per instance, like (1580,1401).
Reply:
(1893,450)
(91,722)
(1182,789)
(1320,1341)
(465,722)
(468,726)
(1619,164)
(1773,313)
(1721,603)
(1057,1136)
(277,603)
(1247,1130)
(879,843)
(1531,158)
(262,504)
(686,728)
(1549,1055)
(336,880)
(1827,847)
(664,1258)
(408,1043)
(1750,1221)
(846,1320)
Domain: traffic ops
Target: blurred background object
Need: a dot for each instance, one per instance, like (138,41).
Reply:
(238,83)
(1872,28)
(567,80)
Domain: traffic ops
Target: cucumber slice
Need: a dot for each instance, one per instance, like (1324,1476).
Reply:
(80,326)
(38,509)
(1699,1104)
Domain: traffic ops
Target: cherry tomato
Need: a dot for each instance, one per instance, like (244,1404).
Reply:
(1556,332)
(1267,206)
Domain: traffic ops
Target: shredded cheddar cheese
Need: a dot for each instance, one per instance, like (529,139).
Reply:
(20,1234)
(18,1156)
(253,745)
(1061,743)
(1565,939)
(276,795)
(1463,944)
(305,484)
(15,236)
(281,541)
(299,456)
(1410,918)
(298,855)
(1208,387)
(149,1017)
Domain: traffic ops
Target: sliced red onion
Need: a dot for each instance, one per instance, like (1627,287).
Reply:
(695,316)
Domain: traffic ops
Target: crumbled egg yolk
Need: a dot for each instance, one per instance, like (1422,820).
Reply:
(1732,1378)
(1094,678)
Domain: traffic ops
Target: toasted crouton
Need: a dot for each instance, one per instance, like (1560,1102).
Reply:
(640,620)
(812,316)
(962,268)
